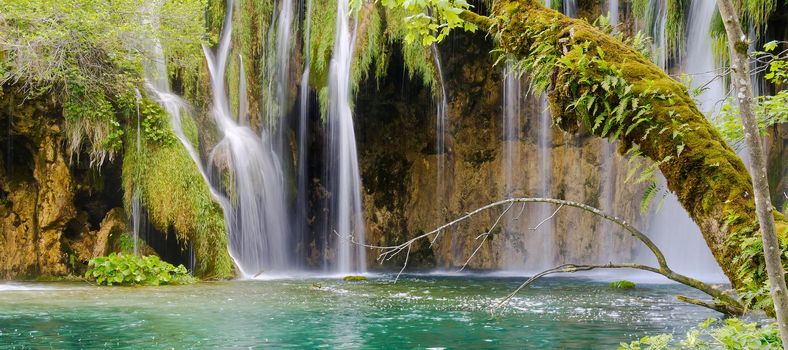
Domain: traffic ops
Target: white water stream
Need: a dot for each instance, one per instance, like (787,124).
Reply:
(347,220)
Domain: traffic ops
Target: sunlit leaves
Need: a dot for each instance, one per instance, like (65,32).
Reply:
(430,21)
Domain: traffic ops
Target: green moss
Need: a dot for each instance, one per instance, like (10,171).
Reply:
(622,284)
(321,40)
(354,278)
(176,196)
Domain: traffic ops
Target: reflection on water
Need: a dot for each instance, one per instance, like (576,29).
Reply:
(418,312)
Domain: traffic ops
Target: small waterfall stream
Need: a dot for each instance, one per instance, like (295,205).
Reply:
(136,201)
(671,227)
(699,64)
(570,8)
(612,14)
(511,109)
(344,177)
(441,125)
(302,176)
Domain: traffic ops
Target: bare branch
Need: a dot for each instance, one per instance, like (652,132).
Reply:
(546,219)
(485,235)
(407,256)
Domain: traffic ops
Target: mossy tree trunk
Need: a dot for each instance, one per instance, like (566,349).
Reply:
(710,180)
(738,47)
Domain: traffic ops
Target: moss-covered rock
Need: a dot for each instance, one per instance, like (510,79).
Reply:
(622,284)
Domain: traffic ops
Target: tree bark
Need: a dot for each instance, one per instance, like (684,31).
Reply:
(737,44)
(709,179)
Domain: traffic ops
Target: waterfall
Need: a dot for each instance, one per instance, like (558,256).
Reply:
(671,227)
(657,19)
(570,8)
(136,201)
(700,58)
(277,77)
(545,235)
(612,13)
(302,185)
(441,123)
(254,204)
(344,177)
(511,113)
(258,225)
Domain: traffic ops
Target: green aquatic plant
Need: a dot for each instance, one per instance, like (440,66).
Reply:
(124,269)
(622,284)
(354,278)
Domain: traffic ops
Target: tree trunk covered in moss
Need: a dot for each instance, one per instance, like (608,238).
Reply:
(710,180)
(738,47)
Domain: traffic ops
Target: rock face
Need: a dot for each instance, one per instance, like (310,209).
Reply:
(403,196)
(37,190)
(53,210)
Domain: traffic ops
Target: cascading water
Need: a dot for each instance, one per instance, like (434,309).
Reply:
(656,21)
(279,56)
(605,233)
(136,200)
(699,64)
(441,123)
(512,110)
(278,70)
(612,13)
(254,207)
(545,235)
(344,177)
(671,227)
(570,8)
(258,221)
(302,188)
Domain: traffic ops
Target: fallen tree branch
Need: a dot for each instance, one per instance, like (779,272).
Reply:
(726,303)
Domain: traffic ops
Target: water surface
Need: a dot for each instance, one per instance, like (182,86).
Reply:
(419,311)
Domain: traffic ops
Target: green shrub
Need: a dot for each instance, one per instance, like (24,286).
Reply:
(728,334)
(126,269)
(622,284)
